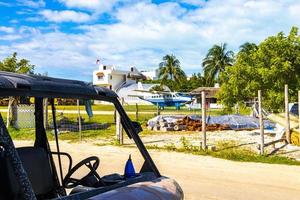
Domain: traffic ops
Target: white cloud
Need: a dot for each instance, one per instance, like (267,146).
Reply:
(6,29)
(193,2)
(32,4)
(65,16)
(144,32)
(94,5)
(10,37)
(5,4)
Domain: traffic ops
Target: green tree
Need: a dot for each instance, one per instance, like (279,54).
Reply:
(12,64)
(195,81)
(215,62)
(247,47)
(170,68)
(274,63)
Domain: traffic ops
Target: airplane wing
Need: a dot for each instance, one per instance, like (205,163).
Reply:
(153,92)
(139,96)
(161,92)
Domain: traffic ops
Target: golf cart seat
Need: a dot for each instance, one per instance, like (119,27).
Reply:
(37,165)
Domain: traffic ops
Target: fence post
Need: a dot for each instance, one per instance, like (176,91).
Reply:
(203,120)
(9,111)
(121,127)
(79,120)
(46,113)
(136,112)
(261,123)
(287,115)
(118,124)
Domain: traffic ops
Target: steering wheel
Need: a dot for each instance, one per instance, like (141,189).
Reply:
(92,163)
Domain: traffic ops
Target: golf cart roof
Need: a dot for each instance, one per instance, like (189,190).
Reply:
(12,84)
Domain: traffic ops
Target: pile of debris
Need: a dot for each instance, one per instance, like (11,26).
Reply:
(164,123)
(213,123)
(195,124)
(181,123)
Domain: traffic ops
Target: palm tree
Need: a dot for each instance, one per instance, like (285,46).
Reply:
(170,68)
(215,62)
(247,47)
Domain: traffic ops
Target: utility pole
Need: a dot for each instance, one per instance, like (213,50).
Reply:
(203,120)
(261,123)
(287,115)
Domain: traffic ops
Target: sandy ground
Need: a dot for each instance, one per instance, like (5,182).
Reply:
(201,177)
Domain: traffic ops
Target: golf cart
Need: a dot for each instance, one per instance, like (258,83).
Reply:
(32,173)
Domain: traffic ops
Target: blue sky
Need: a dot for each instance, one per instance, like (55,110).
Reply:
(66,37)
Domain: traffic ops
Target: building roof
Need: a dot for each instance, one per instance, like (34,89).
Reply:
(12,84)
(210,91)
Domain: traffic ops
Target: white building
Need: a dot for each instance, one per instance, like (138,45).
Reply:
(112,78)
(124,82)
(150,75)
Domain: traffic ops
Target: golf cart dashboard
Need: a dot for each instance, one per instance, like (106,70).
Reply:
(113,181)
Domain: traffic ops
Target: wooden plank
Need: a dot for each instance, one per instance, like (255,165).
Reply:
(274,142)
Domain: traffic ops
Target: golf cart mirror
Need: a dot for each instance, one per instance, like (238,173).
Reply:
(137,126)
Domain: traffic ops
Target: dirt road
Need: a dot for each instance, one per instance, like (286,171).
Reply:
(201,177)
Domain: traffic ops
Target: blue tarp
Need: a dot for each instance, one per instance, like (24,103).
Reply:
(236,122)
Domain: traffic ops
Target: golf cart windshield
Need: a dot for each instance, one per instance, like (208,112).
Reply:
(30,172)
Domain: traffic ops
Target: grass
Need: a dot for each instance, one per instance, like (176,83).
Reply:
(225,150)
(229,151)
(149,108)
(29,134)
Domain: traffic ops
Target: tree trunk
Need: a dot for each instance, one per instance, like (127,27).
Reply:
(10,100)
(11,112)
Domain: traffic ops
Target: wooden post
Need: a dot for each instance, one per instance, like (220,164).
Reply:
(158,113)
(261,123)
(121,127)
(287,115)
(9,110)
(203,120)
(46,113)
(79,120)
(136,112)
(118,126)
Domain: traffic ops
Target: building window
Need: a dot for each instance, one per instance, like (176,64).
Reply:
(131,69)
(104,67)
(110,87)
(110,77)
(100,77)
